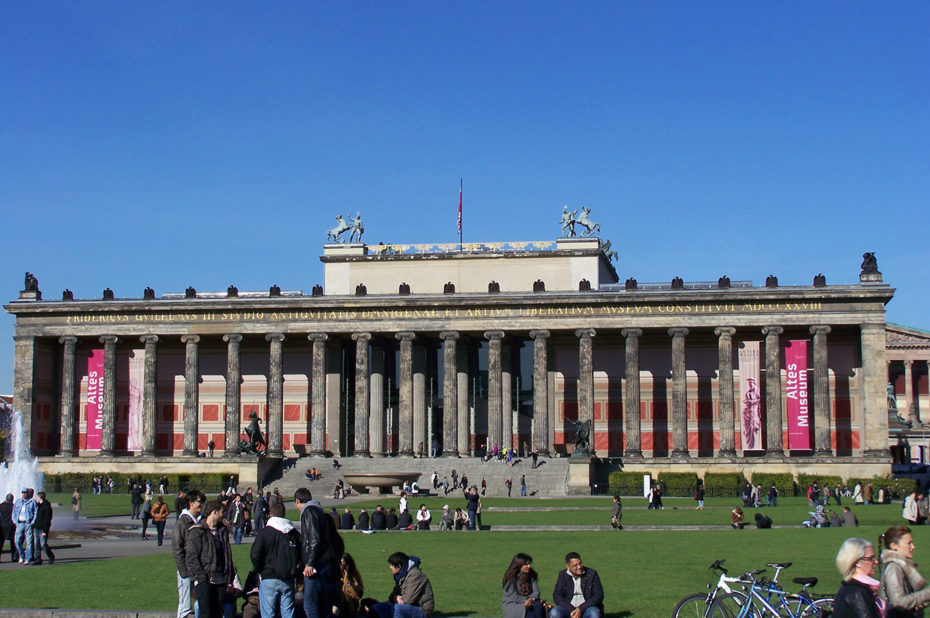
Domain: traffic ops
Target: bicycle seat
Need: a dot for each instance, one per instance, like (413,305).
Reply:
(805,581)
(779,565)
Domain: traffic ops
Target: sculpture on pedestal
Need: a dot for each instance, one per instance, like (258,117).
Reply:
(254,432)
(582,437)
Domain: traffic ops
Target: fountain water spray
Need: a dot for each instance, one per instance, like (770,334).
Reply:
(19,468)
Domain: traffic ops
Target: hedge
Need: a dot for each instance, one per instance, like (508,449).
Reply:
(784,483)
(726,484)
(626,483)
(678,483)
(208,482)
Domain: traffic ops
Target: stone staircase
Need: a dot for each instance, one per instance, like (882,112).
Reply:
(548,479)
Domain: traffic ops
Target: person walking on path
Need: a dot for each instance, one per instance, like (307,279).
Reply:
(699,496)
(209,560)
(160,512)
(135,500)
(8,528)
(473,499)
(523,485)
(509,484)
(76,503)
(146,515)
(187,518)
(616,513)
(276,558)
(43,525)
(321,551)
(578,591)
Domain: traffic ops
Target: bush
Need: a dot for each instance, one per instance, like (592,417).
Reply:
(211,482)
(626,483)
(727,484)
(678,483)
(784,483)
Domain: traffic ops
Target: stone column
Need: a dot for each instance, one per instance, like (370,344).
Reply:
(149,395)
(68,364)
(631,400)
(495,405)
(506,394)
(540,391)
(275,394)
(405,386)
(725,390)
(233,393)
(461,394)
(376,402)
(23,378)
(362,403)
(191,393)
(874,439)
(334,411)
(909,390)
(679,395)
(318,395)
(775,445)
(108,413)
(419,400)
(450,399)
(586,379)
(822,414)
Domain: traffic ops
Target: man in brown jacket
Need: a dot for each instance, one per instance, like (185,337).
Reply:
(209,560)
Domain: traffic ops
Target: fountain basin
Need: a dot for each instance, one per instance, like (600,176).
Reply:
(383,481)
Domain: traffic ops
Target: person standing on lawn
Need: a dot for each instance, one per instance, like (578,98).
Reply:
(236,517)
(24,516)
(146,515)
(7,527)
(187,518)
(135,500)
(616,513)
(76,503)
(209,560)
(321,552)
(578,592)
(42,528)
(276,558)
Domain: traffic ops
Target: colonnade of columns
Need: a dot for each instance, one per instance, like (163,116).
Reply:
(370,427)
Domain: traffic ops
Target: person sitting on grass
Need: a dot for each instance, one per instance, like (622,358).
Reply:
(578,592)
(423,518)
(521,590)
(763,521)
(412,596)
(736,518)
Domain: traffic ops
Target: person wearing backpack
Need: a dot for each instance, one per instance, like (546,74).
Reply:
(276,558)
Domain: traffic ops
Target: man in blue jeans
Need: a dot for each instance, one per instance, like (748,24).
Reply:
(321,552)
(578,592)
(24,516)
(412,596)
(276,558)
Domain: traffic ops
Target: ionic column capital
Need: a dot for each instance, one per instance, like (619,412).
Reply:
(274,337)
(318,337)
(724,331)
(190,338)
(232,338)
(585,333)
(540,334)
(149,339)
(492,335)
(405,336)
(67,340)
(772,331)
(108,339)
(678,332)
(366,337)
(820,330)
(449,335)
(632,332)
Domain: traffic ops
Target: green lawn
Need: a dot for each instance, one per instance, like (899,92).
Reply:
(644,572)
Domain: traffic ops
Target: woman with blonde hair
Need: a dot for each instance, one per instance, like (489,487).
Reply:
(905,589)
(856,597)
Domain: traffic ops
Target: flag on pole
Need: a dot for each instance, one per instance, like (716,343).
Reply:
(460,207)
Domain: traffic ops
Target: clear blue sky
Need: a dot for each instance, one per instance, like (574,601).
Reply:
(177,143)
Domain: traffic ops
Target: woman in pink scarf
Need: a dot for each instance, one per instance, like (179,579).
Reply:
(856,597)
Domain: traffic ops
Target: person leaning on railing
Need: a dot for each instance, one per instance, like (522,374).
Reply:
(856,597)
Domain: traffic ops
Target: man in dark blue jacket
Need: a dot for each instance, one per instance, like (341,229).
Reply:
(578,592)
(321,552)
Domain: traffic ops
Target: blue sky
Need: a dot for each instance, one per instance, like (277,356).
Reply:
(207,144)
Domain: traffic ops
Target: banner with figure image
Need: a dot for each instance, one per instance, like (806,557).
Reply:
(799,426)
(94,400)
(750,396)
(136,373)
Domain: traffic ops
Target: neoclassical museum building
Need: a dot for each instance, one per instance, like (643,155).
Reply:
(465,348)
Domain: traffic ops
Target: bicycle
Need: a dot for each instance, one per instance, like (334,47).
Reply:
(769,599)
(698,605)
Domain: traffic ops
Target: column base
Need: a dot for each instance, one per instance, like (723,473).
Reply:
(876,454)
(778,456)
(317,453)
(232,453)
(376,454)
(190,453)
(680,455)
(105,454)
(406,454)
(362,454)
(275,454)
(731,452)
(631,455)
(63,454)
(823,452)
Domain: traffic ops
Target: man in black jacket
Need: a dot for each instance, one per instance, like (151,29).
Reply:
(7,527)
(187,518)
(42,526)
(276,558)
(209,560)
(321,552)
(135,498)
(578,592)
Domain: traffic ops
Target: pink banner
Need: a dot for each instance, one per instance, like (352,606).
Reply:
(750,396)
(799,426)
(94,399)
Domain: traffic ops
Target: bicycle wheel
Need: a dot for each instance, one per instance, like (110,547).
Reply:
(692,606)
(732,605)
(818,608)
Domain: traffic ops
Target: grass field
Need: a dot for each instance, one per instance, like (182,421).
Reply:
(644,572)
